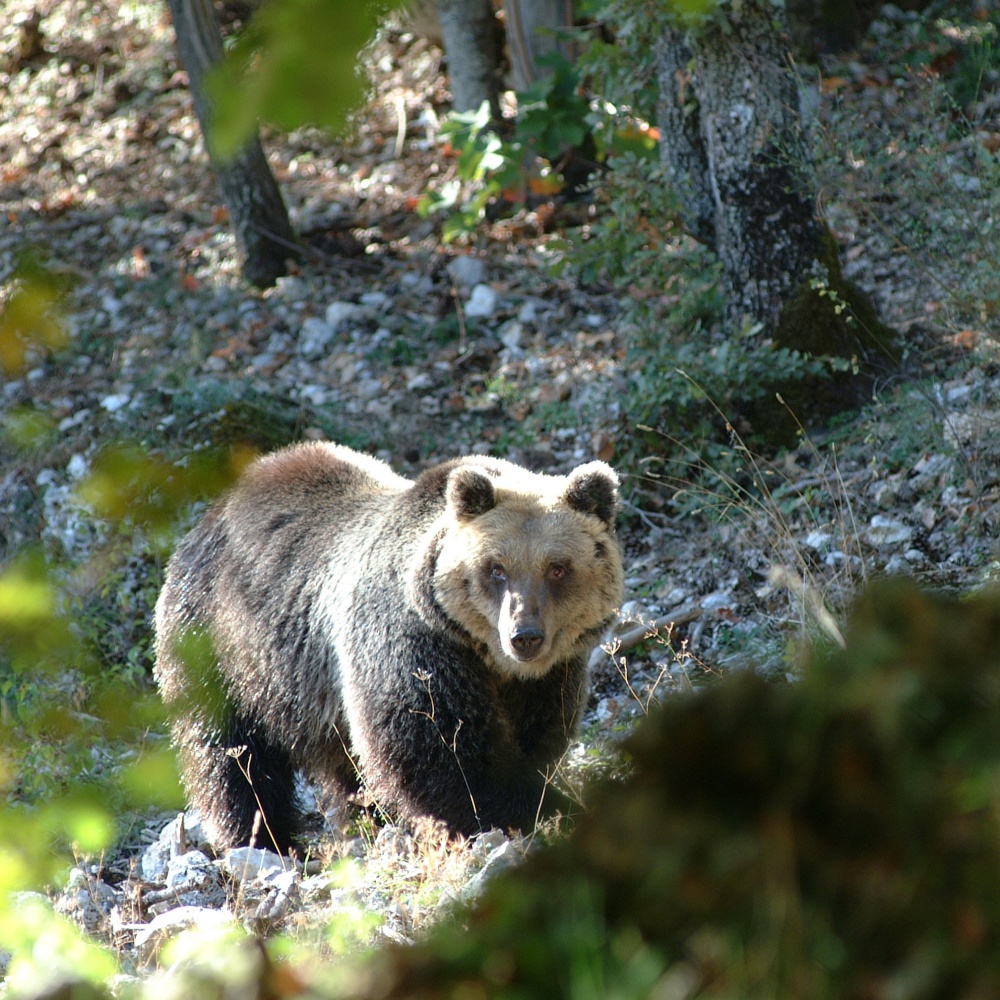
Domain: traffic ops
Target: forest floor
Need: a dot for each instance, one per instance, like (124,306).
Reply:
(388,339)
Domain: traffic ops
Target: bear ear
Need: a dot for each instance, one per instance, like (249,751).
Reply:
(470,493)
(593,489)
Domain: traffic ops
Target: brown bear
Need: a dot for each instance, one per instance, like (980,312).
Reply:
(426,639)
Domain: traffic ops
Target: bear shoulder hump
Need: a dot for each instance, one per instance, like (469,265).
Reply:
(320,465)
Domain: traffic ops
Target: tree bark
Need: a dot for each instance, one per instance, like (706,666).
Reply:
(750,149)
(733,144)
(469,31)
(682,149)
(533,28)
(257,211)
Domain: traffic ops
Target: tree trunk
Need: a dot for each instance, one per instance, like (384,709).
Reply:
(682,150)
(469,30)
(734,148)
(256,209)
(533,28)
(752,152)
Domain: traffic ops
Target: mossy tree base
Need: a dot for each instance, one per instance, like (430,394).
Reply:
(828,317)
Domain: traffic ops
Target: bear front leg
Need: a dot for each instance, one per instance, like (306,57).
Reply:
(243,786)
(436,743)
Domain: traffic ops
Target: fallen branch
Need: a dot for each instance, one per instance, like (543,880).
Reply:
(683,616)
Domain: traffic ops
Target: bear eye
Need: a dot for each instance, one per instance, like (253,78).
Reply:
(557,571)
(497,573)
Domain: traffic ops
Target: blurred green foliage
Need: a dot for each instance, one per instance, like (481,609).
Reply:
(30,320)
(295,64)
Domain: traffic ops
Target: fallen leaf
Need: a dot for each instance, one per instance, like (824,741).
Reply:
(603,446)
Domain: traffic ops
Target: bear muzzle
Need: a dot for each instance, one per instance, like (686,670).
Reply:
(526,642)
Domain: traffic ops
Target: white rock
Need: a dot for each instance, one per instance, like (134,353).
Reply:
(394,841)
(488,841)
(818,540)
(897,566)
(633,611)
(151,939)
(283,881)
(499,859)
(195,837)
(838,558)
(263,360)
(314,337)
(289,286)
(529,310)
(466,271)
(884,530)
(416,282)
(510,335)
(315,394)
(421,380)
(114,402)
(86,901)
(77,466)
(74,420)
(154,862)
(482,302)
(717,601)
(246,863)
(338,313)
(193,868)
(370,388)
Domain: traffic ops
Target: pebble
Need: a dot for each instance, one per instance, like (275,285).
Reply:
(482,302)
(246,863)
(339,313)
(115,401)
(819,541)
(314,337)
(466,271)
(717,601)
(884,530)
(510,336)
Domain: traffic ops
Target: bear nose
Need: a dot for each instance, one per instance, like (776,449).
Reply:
(527,641)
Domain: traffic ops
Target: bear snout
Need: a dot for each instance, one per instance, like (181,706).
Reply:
(526,641)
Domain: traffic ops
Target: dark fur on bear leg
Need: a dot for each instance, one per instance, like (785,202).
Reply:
(236,781)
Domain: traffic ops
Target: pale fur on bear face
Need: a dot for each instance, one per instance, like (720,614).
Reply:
(529,564)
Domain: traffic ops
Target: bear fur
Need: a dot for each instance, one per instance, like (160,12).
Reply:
(426,640)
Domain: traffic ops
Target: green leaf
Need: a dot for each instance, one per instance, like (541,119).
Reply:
(691,14)
(296,64)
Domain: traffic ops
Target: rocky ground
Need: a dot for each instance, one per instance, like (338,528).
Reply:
(386,338)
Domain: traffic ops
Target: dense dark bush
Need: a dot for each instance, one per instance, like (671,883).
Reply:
(835,837)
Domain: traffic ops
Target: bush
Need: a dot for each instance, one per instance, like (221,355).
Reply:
(835,837)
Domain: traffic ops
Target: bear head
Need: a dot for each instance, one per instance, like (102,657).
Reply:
(528,564)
